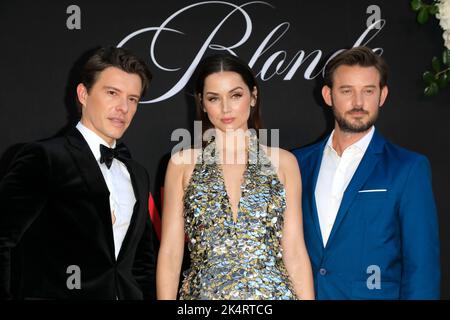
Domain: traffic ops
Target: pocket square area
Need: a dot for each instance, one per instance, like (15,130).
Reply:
(372,190)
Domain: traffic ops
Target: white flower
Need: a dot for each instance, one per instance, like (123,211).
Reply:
(446,36)
(444,19)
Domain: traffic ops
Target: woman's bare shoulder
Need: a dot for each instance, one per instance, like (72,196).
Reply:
(183,164)
(279,157)
(185,157)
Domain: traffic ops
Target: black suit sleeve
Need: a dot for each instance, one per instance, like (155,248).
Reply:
(23,194)
(144,264)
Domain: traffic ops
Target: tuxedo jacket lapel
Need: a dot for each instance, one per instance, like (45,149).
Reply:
(362,173)
(92,175)
(140,195)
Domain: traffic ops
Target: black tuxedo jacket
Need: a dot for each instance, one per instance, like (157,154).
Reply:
(55,215)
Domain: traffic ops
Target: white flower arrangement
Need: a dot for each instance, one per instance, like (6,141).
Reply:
(439,77)
(443,15)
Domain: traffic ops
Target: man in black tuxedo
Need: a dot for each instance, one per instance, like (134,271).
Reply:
(77,205)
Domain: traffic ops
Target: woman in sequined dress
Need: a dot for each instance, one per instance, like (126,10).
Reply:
(236,202)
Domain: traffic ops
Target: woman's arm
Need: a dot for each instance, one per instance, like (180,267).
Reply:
(170,256)
(295,255)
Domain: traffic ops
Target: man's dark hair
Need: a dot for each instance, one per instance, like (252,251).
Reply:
(361,56)
(114,57)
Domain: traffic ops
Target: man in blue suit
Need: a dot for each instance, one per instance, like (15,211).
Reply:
(369,214)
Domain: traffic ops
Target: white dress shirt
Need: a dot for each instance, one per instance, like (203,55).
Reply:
(334,176)
(121,192)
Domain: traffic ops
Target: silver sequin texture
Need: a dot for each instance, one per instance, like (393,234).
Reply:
(235,260)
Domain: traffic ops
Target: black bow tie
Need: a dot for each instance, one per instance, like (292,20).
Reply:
(120,152)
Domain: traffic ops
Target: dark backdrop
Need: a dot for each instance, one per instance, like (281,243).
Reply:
(40,58)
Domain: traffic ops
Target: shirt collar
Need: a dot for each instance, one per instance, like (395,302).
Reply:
(93,140)
(362,144)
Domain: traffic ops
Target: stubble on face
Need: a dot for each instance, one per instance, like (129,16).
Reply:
(353,121)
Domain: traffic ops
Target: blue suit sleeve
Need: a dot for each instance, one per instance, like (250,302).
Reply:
(420,235)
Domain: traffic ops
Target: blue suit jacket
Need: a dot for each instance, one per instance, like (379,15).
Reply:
(383,245)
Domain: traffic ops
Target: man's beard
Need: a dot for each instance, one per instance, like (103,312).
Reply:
(357,125)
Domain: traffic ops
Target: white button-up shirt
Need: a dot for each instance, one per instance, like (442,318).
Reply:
(334,176)
(121,192)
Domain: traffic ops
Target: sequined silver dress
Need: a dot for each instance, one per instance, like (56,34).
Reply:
(235,260)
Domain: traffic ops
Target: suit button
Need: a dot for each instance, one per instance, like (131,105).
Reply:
(323,271)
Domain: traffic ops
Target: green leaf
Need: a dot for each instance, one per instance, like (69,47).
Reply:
(446,57)
(428,77)
(416,5)
(423,15)
(443,81)
(433,9)
(436,64)
(431,90)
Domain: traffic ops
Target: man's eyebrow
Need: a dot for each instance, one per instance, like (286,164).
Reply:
(118,90)
(347,86)
(113,88)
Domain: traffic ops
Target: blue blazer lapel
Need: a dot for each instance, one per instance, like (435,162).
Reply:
(365,168)
(316,161)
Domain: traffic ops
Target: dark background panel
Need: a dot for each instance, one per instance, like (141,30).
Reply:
(40,58)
